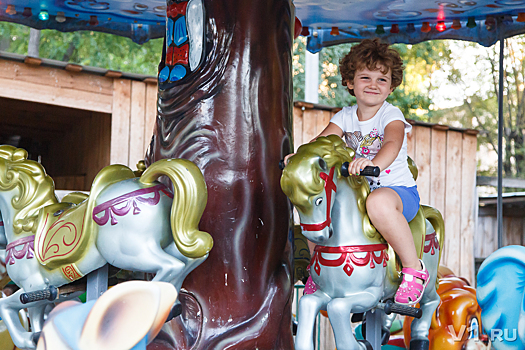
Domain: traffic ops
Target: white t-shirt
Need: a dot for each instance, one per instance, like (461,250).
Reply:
(366,139)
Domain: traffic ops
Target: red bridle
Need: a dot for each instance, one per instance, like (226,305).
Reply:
(329,186)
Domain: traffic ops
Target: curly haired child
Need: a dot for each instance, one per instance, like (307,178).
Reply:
(376,130)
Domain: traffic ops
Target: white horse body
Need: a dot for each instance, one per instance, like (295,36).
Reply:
(352,267)
(131,230)
(340,294)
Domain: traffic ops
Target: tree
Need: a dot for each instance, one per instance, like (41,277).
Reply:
(86,48)
(479,108)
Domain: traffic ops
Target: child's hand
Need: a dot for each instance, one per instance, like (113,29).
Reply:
(359,164)
(286,158)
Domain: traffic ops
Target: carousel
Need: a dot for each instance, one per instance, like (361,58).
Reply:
(203,230)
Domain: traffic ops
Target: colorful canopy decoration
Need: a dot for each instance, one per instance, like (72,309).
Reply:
(333,22)
(325,22)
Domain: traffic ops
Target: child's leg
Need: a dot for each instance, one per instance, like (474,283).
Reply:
(385,209)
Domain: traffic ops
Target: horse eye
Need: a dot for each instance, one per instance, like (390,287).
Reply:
(318,201)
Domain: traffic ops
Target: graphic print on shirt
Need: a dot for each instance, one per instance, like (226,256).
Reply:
(365,147)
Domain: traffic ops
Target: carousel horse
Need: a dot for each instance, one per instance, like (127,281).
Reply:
(129,222)
(501,296)
(127,316)
(351,267)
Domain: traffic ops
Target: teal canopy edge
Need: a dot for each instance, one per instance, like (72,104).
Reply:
(137,32)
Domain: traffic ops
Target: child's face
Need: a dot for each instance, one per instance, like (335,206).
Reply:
(371,88)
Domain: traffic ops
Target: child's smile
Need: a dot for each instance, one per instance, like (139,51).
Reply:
(371,88)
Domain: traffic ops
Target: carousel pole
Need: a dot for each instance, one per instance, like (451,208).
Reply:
(499,209)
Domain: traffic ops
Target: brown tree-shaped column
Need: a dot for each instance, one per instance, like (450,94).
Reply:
(229,111)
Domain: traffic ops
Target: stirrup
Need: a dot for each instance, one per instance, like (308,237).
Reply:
(411,290)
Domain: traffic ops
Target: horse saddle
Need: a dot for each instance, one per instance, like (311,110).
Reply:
(66,230)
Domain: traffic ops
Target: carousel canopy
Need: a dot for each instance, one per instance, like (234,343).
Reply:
(325,22)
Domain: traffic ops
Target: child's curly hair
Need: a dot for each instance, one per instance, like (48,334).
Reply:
(370,54)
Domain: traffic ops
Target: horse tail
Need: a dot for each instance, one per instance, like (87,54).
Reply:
(189,200)
(434,216)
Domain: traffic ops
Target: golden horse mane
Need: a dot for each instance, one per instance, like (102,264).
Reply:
(36,188)
(300,180)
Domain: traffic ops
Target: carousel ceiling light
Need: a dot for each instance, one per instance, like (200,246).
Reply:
(93,21)
(425,28)
(43,15)
(471,22)
(394,29)
(305,31)
(521,17)
(441,27)
(60,17)
(10,10)
(380,29)
(334,31)
(411,28)
(27,12)
(456,24)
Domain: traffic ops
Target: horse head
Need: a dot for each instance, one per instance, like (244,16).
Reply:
(311,180)
(24,189)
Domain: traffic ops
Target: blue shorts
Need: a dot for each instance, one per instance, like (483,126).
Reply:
(410,199)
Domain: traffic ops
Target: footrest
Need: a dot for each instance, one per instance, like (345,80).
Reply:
(49,293)
(389,306)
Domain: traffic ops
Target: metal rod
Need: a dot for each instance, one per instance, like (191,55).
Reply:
(499,209)
(33,47)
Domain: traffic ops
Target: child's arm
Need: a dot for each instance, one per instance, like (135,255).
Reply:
(331,129)
(392,143)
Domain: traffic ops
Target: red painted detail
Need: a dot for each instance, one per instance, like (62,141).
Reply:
(432,238)
(180,54)
(176,9)
(297,28)
(176,55)
(167,193)
(329,186)
(70,273)
(169,56)
(347,257)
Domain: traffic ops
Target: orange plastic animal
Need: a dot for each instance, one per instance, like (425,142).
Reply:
(456,324)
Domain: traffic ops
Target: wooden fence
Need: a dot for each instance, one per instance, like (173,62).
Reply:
(446,160)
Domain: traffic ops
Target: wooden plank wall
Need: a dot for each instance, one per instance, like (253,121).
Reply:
(446,161)
(129,105)
(55,86)
(132,122)
(486,239)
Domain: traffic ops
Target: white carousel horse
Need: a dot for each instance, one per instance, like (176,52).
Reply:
(351,266)
(127,316)
(132,223)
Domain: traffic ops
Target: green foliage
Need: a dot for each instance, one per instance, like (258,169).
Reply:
(86,48)
(479,109)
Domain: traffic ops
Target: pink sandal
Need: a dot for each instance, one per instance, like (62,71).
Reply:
(411,290)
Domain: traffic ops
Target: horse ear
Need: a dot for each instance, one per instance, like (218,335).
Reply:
(323,165)
(124,315)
